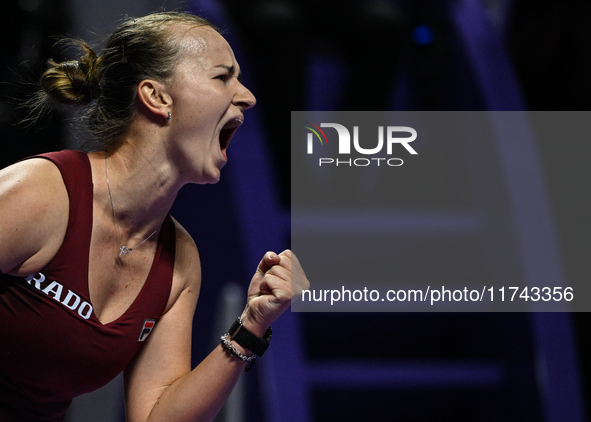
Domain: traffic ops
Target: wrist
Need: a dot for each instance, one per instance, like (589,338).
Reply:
(236,350)
(244,344)
(251,325)
(243,350)
(249,341)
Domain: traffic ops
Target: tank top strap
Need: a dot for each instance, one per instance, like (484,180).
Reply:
(72,257)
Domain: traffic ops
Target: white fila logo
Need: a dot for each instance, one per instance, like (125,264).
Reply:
(147,328)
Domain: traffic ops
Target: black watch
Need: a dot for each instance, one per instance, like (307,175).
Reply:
(248,340)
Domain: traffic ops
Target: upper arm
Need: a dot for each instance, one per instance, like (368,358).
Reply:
(166,355)
(34,210)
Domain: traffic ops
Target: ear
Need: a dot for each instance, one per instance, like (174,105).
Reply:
(153,95)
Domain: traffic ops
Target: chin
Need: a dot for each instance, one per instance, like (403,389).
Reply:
(209,178)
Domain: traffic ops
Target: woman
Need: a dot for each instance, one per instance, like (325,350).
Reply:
(98,277)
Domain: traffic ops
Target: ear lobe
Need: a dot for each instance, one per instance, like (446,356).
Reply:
(153,95)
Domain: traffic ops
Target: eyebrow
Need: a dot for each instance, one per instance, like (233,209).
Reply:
(231,70)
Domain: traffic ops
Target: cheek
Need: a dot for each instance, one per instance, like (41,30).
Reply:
(199,107)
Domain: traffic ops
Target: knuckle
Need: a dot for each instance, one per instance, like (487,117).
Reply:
(277,271)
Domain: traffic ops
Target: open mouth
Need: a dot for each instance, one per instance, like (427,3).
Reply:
(227,133)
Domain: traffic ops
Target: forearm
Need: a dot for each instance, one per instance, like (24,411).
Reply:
(199,395)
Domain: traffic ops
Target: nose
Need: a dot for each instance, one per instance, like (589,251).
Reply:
(244,98)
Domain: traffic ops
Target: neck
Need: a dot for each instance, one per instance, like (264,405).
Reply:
(142,190)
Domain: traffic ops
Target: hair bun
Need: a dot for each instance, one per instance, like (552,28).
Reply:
(73,82)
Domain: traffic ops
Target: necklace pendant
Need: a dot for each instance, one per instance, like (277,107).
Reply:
(123,250)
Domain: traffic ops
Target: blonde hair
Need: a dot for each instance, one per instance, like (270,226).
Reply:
(138,49)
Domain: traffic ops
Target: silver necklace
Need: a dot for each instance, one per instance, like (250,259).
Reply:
(123,249)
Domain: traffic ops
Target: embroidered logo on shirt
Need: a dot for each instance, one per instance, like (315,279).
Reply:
(149,324)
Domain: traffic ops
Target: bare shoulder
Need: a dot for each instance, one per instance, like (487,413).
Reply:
(34,210)
(187,263)
(186,281)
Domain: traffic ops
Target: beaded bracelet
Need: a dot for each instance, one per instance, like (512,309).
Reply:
(226,344)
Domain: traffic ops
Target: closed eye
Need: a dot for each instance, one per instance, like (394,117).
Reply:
(230,72)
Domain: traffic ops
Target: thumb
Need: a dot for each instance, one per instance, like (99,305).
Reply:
(269,259)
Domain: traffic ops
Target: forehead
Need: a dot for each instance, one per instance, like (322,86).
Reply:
(205,46)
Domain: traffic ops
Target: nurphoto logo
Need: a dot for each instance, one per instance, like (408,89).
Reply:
(385,136)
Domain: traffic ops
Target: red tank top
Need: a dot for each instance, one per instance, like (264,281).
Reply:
(52,345)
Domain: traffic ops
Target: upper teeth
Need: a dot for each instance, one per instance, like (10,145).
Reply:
(233,123)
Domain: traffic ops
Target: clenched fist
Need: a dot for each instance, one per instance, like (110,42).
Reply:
(278,280)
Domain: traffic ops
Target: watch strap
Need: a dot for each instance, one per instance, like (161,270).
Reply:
(248,340)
